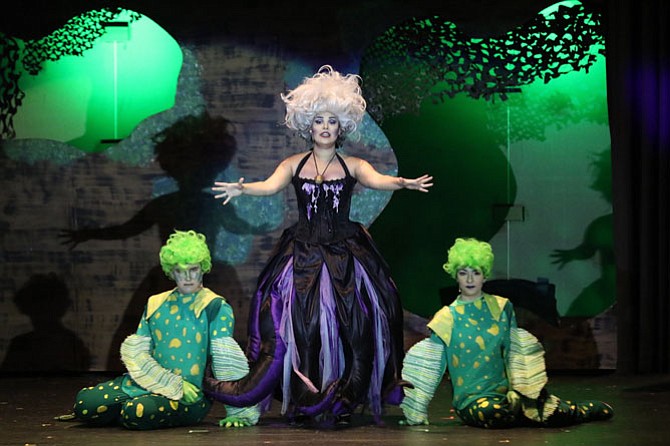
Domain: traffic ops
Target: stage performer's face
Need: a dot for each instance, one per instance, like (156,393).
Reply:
(188,278)
(325,129)
(470,282)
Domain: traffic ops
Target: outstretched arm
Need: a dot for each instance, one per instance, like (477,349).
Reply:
(563,256)
(140,222)
(279,179)
(229,363)
(369,177)
(423,366)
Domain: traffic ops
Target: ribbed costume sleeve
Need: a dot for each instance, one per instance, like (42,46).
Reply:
(526,366)
(228,360)
(528,376)
(145,371)
(423,366)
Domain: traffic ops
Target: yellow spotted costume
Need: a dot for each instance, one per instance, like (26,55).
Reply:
(497,370)
(177,335)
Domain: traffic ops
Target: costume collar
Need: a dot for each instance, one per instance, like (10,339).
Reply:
(200,302)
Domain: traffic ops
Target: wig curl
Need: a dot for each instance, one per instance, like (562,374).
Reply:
(327,90)
(185,248)
(469,253)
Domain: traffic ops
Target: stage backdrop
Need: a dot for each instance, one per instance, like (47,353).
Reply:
(115,128)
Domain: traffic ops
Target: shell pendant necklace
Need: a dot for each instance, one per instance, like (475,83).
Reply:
(318,179)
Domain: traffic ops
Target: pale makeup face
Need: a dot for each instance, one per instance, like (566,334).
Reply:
(188,278)
(325,129)
(470,282)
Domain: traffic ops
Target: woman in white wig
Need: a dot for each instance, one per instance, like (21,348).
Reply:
(325,324)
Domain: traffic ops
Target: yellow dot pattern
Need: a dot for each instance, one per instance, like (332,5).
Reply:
(488,412)
(477,364)
(181,336)
(144,411)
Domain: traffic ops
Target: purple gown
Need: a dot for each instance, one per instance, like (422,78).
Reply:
(325,324)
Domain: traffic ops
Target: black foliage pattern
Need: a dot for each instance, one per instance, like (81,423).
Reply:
(11,96)
(73,39)
(431,58)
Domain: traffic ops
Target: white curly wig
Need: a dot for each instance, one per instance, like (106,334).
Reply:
(327,90)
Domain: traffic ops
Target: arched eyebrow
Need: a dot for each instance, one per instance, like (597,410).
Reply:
(321,116)
(476,270)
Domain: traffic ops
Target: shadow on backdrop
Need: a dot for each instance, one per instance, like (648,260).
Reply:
(51,347)
(193,152)
(598,240)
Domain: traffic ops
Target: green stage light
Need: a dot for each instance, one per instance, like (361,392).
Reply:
(95,94)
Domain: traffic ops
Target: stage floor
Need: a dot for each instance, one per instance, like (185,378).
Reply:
(642,417)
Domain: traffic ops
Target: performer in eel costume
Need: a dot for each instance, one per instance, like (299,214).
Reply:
(180,332)
(496,369)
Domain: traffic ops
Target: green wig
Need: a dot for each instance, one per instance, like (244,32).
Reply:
(469,252)
(185,248)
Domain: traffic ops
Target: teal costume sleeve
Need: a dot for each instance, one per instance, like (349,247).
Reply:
(143,327)
(528,377)
(228,360)
(511,317)
(526,366)
(423,366)
(145,370)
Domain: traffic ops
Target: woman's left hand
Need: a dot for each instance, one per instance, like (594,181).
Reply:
(421,184)
(228,190)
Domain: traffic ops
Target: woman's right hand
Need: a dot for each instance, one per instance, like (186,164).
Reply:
(228,190)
